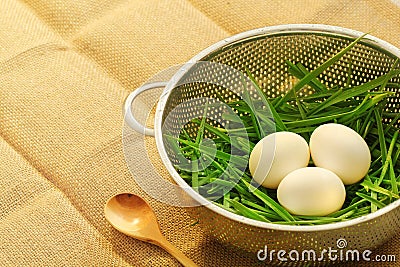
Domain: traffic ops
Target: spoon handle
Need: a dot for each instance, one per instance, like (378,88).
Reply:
(164,243)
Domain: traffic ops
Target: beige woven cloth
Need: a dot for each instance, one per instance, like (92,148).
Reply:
(66,67)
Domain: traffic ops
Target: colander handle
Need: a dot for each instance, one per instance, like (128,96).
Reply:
(129,116)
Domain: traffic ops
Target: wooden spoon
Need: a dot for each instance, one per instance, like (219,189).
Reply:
(131,215)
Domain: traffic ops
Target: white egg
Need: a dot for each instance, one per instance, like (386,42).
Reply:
(342,150)
(275,156)
(311,191)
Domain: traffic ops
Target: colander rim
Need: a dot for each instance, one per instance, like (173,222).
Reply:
(270,30)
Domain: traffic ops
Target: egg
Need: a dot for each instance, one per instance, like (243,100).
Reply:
(276,155)
(311,191)
(342,150)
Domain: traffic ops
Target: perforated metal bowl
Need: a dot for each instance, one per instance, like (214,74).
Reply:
(264,52)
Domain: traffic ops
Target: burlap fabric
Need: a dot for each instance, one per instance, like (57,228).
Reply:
(66,67)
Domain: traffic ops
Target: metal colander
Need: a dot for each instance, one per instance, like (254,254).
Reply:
(264,52)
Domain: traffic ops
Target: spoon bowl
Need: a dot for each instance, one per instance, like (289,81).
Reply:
(132,215)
